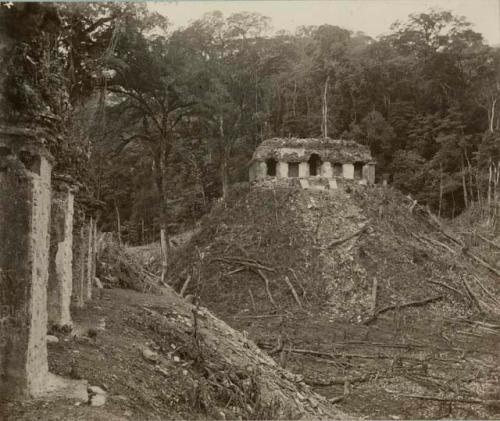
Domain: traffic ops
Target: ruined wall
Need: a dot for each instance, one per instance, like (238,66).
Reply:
(25,197)
(61,256)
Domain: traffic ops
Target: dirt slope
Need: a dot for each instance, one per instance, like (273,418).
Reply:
(205,372)
(421,349)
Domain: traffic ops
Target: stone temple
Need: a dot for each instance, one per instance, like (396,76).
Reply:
(312,161)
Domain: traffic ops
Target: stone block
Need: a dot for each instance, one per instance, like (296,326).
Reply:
(282,169)
(326,170)
(303,169)
(304,183)
(332,184)
(348,171)
(369,173)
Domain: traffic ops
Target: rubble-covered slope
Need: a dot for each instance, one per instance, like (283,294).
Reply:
(159,357)
(324,250)
(369,297)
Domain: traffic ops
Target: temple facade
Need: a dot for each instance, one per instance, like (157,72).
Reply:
(311,159)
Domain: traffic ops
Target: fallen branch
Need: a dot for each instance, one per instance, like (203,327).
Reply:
(266,281)
(333,356)
(404,305)
(237,270)
(251,263)
(448,287)
(374,295)
(436,398)
(439,243)
(482,263)
(347,238)
(488,293)
(442,230)
(488,241)
(299,283)
(259,316)
(294,293)
(252,299)
(473,296)
(186,284)
(336,381)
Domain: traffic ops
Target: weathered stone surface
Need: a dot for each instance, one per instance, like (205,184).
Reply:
(25,171)
(79,248)
(332,184)
(369,173)
(282,169)
(304,183)
(348,171)
(327,170)
(61,257)
(303,169)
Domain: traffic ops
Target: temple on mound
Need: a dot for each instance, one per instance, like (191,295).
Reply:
(311,160)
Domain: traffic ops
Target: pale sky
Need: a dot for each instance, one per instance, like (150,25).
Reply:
(372,17)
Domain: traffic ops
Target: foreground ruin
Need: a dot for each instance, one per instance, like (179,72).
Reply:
(36,264)
(25,172)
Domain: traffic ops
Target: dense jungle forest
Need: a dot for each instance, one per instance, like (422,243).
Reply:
(159,122)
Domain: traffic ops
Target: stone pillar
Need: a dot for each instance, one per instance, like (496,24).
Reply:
(282,169)
(61,255)
(79,247)
(369,173)
(251,172)
(25,195)
(303,169)
(348,171)
(88,266)
(261,170)
(326,170)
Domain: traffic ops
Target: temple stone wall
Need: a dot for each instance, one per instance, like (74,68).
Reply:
(25,201)
(61,257)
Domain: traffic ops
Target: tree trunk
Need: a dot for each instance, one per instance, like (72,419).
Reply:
(489,192)
(223,158)
(118,225)
(440,189)
(224,177)
(161,182)
(464,186)
(492,115)
(324,128)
